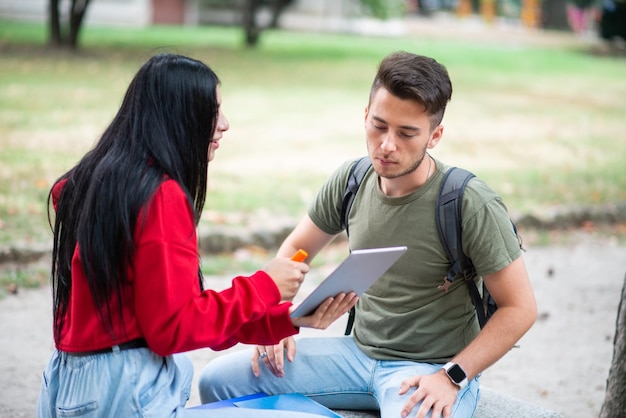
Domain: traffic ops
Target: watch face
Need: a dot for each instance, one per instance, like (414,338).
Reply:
(456,373)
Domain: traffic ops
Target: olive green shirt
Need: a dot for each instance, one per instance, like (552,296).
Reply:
(404,315)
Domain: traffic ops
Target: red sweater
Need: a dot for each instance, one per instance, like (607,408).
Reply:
(163,302)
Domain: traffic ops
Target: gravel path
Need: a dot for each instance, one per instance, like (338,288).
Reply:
(562,363)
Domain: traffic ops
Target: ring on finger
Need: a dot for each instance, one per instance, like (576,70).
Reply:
(263,355)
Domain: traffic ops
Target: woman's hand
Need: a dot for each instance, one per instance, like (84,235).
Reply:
(273,356)
(288,276)
(328,311)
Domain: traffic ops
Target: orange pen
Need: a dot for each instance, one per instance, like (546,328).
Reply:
(300,255)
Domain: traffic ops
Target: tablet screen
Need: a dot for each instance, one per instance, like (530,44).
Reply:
(355,274)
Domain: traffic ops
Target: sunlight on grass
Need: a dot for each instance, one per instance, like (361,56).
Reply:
(543,125)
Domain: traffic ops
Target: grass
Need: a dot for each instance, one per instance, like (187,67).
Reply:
(543,124)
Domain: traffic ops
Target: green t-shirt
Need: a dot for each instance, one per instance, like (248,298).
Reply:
(404,315)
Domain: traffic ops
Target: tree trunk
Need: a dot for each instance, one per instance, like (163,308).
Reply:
(249,22)
(61,35)
(249,11)
(615,398)
(55,24)
(278,6)
(77,13)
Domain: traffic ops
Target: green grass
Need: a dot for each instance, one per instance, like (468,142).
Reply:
(14,278)
(544,125)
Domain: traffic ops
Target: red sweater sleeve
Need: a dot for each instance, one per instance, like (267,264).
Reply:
(171,312)
(56,192)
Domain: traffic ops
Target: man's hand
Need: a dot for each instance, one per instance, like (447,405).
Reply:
(435,391)
(273,356)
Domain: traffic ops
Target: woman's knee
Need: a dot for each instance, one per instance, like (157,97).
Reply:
(185,371)
(185,366)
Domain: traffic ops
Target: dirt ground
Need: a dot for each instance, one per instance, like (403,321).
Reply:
(561,364)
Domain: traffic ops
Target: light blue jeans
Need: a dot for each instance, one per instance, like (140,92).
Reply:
(129,383)
(331,371)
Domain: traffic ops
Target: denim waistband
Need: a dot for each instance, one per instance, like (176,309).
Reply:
(129,345)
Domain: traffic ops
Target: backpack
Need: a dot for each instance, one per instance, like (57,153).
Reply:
(448,218)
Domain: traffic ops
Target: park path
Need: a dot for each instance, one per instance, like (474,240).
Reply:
(562,363)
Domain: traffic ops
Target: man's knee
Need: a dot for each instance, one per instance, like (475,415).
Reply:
(211,384)
(223,377)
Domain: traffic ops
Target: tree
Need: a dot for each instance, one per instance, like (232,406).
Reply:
(381,9)
(615,398)
(613,20)
(249,17)
(62,35)
(65,34)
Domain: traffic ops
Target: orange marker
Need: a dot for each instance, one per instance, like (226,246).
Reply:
(300,255)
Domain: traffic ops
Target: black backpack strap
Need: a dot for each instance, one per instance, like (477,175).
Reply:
(350,323)
(448,217)
(485,305)
(355,177)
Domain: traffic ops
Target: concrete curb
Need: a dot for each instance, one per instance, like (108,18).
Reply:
(228,238)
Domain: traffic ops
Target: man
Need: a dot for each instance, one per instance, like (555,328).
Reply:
(406,328)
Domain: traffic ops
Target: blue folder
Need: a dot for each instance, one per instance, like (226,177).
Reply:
(228,403)
(287,402)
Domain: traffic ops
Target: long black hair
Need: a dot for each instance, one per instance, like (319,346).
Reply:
(162,130)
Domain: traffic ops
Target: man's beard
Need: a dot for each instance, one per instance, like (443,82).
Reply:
(409,170)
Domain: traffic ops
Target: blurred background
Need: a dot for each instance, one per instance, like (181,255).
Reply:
(537,109)
(606,18)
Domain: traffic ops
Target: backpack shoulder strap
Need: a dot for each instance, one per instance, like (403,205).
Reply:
(357,173)
(448,217)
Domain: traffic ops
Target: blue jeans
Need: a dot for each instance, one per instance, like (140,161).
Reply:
(331,371)
(129,383)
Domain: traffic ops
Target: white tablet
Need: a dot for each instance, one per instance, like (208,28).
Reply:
(355,274)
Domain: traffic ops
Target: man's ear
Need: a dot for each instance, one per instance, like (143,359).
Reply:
(435,136)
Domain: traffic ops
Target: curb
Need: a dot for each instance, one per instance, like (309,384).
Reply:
(223,239)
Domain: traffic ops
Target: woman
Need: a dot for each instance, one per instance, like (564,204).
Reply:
(126,281)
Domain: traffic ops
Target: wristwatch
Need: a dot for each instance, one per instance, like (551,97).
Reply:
(456,374)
